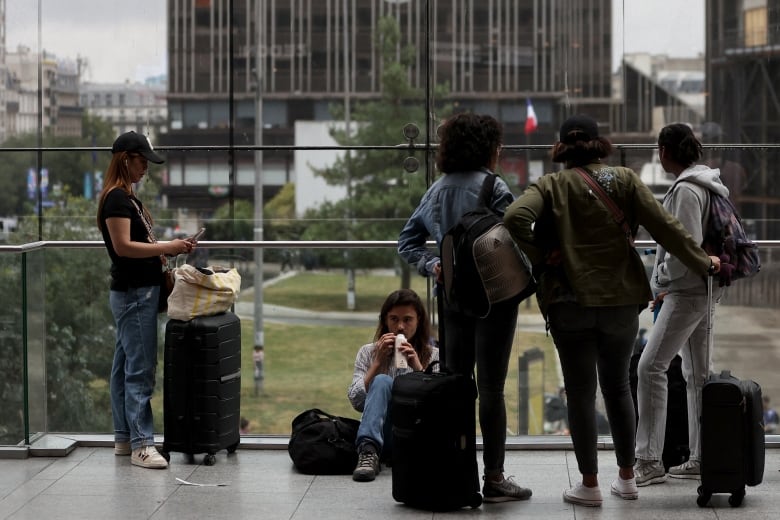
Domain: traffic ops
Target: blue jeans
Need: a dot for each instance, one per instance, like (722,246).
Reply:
(375,425)
(595,343)
(488,343)
(135,364)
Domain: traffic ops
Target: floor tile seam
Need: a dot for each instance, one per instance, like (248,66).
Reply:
(27,500)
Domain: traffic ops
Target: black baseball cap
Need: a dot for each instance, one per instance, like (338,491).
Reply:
(136,143)
(578,128)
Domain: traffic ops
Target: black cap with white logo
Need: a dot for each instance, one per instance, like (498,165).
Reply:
(132,142)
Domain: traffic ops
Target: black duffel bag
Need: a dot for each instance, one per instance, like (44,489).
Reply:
(323,444)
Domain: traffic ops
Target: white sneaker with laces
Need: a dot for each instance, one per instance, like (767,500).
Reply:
(625,489)
(648,472)
(584,496)
(148,457)
(690,469)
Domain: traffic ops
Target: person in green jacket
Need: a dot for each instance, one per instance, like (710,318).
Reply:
(592,285)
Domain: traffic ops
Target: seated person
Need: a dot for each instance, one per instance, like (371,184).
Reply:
(403,312)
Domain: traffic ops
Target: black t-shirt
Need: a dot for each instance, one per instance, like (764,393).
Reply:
(128,272)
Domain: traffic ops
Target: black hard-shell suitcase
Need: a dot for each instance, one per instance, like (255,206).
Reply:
(434,441)
(202,385)
(732,433)
(732,437)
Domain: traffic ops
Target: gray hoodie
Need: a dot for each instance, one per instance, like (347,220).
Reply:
(689,200)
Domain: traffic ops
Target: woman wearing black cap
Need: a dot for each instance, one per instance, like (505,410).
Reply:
(591,283)
(136,274)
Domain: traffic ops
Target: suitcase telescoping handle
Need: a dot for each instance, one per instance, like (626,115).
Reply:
(709,323)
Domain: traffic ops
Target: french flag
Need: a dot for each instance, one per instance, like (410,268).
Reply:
(530,118)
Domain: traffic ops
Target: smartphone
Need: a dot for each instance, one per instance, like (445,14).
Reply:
(198,235)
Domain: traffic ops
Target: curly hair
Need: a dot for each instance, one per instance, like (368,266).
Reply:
(468,142)
(680,144)
(422,338)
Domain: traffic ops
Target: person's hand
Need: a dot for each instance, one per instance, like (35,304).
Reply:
(726,271)
(411,356)
(437,272)
(659,298)
(384,348)
(178,246)
(714,265)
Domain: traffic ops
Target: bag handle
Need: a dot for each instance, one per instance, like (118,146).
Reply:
(617,213)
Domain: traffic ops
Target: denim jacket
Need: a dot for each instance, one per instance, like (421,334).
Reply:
(452,195)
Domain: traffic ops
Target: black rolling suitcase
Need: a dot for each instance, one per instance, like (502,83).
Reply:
(434,441)
(732,435)
(202,385)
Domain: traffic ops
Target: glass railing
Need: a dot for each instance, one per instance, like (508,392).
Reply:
(319,303)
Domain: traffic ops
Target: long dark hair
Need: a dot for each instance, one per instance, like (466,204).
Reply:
(421,341)
(679,142)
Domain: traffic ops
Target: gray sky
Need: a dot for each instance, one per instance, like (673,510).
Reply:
(124,39)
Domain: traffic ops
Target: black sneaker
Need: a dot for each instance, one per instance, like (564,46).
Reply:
(504,491)
(368,464)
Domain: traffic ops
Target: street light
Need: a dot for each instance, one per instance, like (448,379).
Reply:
(259,336)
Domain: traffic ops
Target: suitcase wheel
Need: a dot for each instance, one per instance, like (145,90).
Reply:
(232,448)
(704,497)
(210,459)
(735,500)
(166,455)
(476,501)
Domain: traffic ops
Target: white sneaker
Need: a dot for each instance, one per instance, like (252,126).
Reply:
(625,489)
(690,469)
(584,496)
(648,472)
(148,457)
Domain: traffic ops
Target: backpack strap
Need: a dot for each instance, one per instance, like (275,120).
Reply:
(617,213)
(486,192)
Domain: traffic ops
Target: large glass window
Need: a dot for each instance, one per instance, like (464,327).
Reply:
(299,121)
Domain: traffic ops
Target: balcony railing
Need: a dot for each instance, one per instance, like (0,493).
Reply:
(57,339)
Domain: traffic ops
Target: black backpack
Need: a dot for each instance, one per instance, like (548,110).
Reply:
(481,265)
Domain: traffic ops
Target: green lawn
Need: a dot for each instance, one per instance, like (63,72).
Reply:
(311,366)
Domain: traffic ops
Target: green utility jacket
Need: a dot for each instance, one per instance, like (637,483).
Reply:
(598,267)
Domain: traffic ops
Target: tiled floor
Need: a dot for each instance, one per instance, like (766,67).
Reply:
(92,483)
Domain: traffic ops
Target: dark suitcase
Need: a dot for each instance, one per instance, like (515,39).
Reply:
(732,437)
(732,433)
(202,385)
(434,426)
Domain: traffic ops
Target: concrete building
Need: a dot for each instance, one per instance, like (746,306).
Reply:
(743,104)
(59,112)
(141,107)
(309,54)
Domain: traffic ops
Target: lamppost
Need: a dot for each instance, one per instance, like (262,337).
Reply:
(259,336)
(348,124)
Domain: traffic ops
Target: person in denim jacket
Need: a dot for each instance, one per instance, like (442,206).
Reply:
(468,152)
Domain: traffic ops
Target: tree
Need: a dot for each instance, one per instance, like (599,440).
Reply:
(79,334)
(382,194)
(66,169)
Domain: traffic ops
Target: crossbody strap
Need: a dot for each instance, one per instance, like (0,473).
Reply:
(150,232)
(617,213)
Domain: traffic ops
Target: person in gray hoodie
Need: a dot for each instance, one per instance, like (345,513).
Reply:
(682,320)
